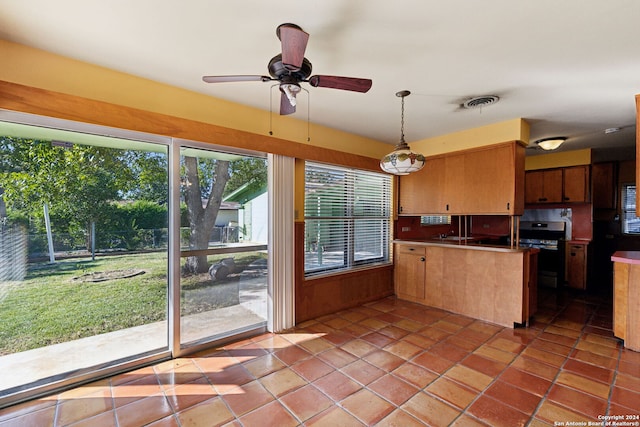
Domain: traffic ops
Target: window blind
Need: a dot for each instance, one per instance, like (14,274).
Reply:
(347,218)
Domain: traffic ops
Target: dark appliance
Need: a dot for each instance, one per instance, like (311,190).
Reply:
(549,237)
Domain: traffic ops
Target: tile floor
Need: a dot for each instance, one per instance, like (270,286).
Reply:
(387,363)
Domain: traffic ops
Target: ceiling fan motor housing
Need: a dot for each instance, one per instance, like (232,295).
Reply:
(278,71)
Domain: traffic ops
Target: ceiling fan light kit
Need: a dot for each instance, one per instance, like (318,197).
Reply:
(551,143)
(402,161)
(291,68)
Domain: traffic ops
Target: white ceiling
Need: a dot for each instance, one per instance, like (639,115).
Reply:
(569,67)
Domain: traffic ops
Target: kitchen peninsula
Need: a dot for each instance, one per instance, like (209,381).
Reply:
(626,298)
(492,283)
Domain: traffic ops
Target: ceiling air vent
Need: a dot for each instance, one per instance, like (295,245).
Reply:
(480,101)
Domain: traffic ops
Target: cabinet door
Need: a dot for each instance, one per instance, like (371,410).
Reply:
(489,184)
(576,188)
(577,266)
(533,187)
(410,192)
(454,194)
(433,186)
(552,183)
(409,272)
(603,192)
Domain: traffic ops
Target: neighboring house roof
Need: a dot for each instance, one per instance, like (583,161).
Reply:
(246,192)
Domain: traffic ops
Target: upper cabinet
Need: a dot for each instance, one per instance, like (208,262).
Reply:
(561,185)
(603,178)
(485,180)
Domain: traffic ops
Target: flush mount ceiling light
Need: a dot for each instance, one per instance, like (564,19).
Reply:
(402,161)
(551,143)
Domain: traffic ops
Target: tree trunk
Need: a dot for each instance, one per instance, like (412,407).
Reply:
(202,219)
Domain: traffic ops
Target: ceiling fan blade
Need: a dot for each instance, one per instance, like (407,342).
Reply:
(344,83)
(237,78)
(285,105)
(294,43)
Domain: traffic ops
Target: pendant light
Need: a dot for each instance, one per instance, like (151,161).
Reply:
(402,161)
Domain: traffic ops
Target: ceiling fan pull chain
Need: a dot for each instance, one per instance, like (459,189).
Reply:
(308,115)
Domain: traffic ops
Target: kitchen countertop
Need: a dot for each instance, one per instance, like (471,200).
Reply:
(458,244)
(627,257)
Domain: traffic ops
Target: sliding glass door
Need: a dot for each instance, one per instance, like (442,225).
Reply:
(223,244)
(84,258)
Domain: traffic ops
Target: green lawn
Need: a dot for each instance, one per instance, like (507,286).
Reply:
(49,306)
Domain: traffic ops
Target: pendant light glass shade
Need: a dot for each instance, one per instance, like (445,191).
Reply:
(402,161)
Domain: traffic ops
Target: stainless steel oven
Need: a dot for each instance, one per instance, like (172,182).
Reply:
(549,237)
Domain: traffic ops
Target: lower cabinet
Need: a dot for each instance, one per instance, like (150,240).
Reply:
(487,284)
(576,265)
(409,272)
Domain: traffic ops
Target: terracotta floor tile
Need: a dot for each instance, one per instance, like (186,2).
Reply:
(513,396)
(459,319)
(85,406)
(377,339)
(143,411)
(338,338)
(551,412)
(271,414)
(476,336)
(292,354)
(611,341)
(316,346)
(468,421)
(430,410)
(414,374)
(247,397)
(170,421)
(312,369)
(602,350)
(334,416)
(388,317)
(270,343)
(306,402)
(506,345)
(337,357)
(394,389)
(264,365)
(37,418)
(594,359)
(630,356)
(496,354)
(447,326)
(384,360)
(128,392)
(433,362)
(581,383)
(552,359)
(368,407)
(208,413)
(230,378)
(577,401)
(363,372)
(337,386)
(551,347)
(359,347)
(399,418)
(525,381)
(571,333)
(558,339)
(535,367)
(339,322)
(469,377)
(486,366)
(373,324)
(629,368)
(393,332)
(282,382)
(27,407)
(419,340)
(466,344)
(356,330)
(403,349)
(588,370)
(497,414)
(184,396)
(452,392)
(485,328)
(629,382)
(449,351)
(628,398)
(409,325)
(108,419)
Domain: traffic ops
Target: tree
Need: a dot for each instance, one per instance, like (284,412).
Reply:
(202,219)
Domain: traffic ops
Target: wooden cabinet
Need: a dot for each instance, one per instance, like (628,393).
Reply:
(575,184)
(491,285)
(543,186)
(409,272)
(560,185)
(486,180)
(576,265)
(603,191)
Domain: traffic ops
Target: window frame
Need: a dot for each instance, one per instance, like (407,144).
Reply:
(627,213)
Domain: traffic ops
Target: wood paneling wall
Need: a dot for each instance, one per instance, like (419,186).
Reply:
(324,295)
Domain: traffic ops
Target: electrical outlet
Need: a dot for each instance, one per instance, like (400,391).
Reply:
(406,228)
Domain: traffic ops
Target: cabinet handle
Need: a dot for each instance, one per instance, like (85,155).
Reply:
(567,198)
(411,249)
(423,259)
(400,209)
(573,254)
(447,207)
(542,199)
(508,205)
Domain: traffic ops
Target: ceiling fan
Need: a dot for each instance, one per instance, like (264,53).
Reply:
(291,68)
